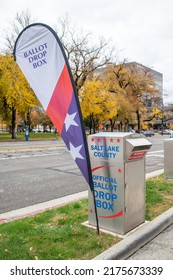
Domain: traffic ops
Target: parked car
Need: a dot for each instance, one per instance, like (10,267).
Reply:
(131,130)
(171,134)
(148,133)
(165,132)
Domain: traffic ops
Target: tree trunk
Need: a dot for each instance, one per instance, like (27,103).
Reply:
(126,125)
(90,124)
(13,124)
(120,126)
(93,124)
(112,125)
(138,120)
(92,129)
(28,120)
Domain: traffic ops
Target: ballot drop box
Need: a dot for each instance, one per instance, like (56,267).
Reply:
(118,172)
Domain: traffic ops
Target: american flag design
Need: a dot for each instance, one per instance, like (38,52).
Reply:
(39,54)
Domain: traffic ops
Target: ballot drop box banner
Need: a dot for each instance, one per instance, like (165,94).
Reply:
(118,172)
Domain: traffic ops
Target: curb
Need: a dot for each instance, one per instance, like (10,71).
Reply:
(122,250)
(137,239)
(154,174)
(141,236)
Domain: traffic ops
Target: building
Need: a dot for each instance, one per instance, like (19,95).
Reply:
(149,101)
(157,77)
(157,100)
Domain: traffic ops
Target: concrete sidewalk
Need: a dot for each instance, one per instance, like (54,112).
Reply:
(132,242)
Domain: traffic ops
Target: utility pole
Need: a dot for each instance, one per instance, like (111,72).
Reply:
(163,110)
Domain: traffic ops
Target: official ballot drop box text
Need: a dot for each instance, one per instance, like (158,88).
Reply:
(118,172)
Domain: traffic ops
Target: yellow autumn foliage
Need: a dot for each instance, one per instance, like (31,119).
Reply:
(15,89)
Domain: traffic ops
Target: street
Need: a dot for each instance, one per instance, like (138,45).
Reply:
(32,172)
(155,156)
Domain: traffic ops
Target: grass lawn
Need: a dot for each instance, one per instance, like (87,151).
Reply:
(58,234)
(5,136)
(53,235)
(159,196)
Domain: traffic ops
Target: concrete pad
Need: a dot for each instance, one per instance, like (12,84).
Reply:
(113,233)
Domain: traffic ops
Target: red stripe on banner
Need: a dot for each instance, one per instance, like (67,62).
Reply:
(60,100)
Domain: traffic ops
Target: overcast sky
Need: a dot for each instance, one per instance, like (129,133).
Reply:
(141,29)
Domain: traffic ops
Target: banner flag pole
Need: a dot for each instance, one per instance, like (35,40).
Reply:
(41,57)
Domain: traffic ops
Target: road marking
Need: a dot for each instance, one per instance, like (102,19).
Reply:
(150,154)
(159,151)
(155,154)
(31,149)
(160,156)
(29,156)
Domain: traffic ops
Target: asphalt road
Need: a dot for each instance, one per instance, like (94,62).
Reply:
(155,156)
(34,172)
(37,171)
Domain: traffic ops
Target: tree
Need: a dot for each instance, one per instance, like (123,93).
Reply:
(21,20)
(133,83)
(39,117)
(16,95)
(84,57)
(110,107)
(123,111)
(93,99)
(125,114)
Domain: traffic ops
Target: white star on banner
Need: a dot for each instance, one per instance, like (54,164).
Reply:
(69,120)
(74,151)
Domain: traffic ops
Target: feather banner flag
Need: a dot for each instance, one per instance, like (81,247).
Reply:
(41,57)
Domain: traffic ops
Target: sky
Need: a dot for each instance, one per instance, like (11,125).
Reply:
(140,30)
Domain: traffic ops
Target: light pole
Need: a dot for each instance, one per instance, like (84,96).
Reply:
(162,115)
(163,110)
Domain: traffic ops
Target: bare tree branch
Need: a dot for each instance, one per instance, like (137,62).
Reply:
(20,21)
(84,57)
